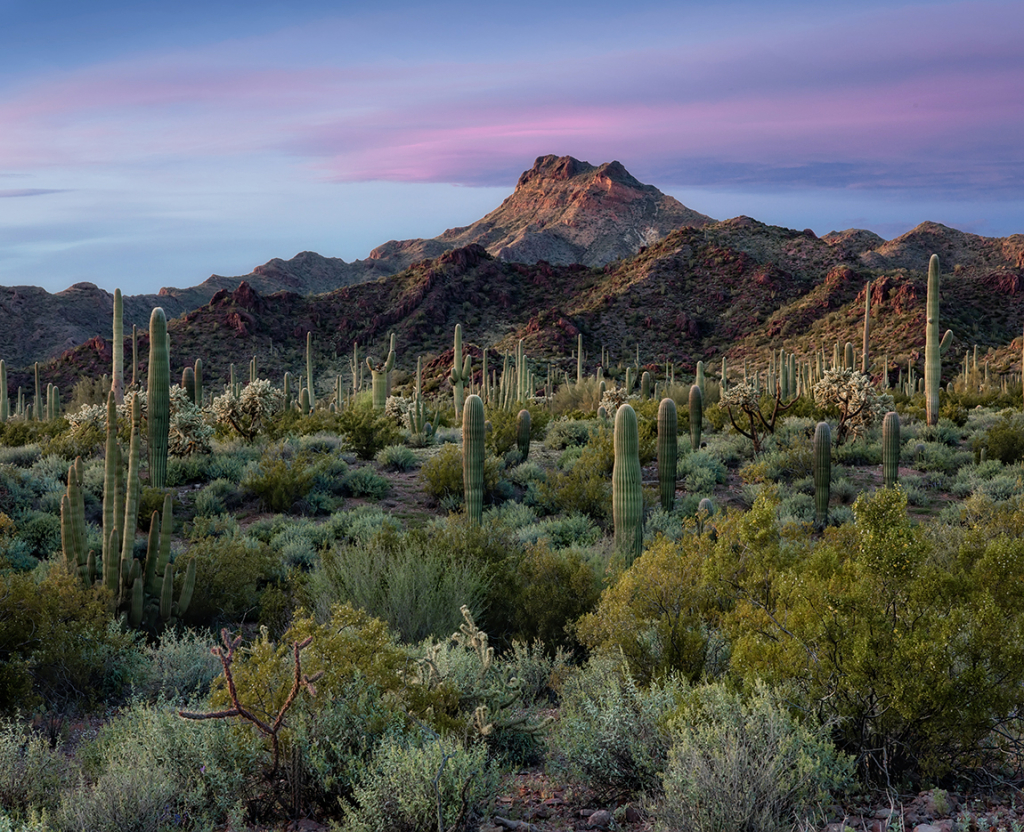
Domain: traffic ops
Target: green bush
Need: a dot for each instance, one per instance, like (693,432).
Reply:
(216,497)
(365,482)
(396,458)
(409,785)
(612,736)
(32,773)
(746,763)
(281,483)
(233,573)
(563,433)
(407,580)
(441,475)
(367,431)
(1005,439)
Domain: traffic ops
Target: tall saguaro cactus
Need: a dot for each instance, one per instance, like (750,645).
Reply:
(890,449)
(309,369)
(696,404)
(523,427)
(158,397)
(668,452)
(380,372)
(460,373)
(627,494)
(473,435)
(933,347)
(822,472)
(864,361)
(117,383)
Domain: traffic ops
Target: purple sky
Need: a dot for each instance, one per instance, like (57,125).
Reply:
(141,148)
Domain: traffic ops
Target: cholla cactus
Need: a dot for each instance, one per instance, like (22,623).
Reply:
(858,403)
(745,398)
(398,410)
(189,433)
(248,412)
(612,399)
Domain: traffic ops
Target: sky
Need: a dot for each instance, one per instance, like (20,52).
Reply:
(149,144)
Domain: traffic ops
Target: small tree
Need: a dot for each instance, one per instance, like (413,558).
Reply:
(851,396)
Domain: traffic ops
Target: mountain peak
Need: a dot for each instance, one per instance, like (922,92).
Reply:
(566,168)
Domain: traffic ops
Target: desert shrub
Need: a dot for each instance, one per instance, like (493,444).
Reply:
(653,613)
(554,588)
(216,497)
(178,667)
(22,456)
(365,482)
(281,483)
(41,533)
(945,609)
(232,574)
(407,580)
(934,456)
(945,433)
(367,431)
(396,458)
(441,475)
(511,515)
(1005,439)
(32,772)
(409,785)
(563,433)
(612,736)
(148,743)
(525,473)
(562,532)
(60,646)
(700,472)
(745,763)
(672,524)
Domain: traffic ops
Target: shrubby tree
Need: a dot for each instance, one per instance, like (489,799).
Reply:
(851,395)
(247,414)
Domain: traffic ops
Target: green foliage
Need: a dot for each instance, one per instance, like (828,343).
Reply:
(55,643)
(554,588)
(1005,439)
(409,785)
(745,763)
(365,482)
(367,431)
(32,773)
(562,433)
(700,472)
(216,497)
(653,614)
(280,481)
(235,571)
(441,475)
(874,598)
(396,458)
(407,580)
(612,736)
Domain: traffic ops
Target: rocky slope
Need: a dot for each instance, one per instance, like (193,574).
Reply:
(736,288)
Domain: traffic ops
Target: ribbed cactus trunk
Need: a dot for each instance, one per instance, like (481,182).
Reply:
(37,405)
(822,472)
(380,378)
(309,369)
(188,382)
(473,435)
(117,381)
(158,397)
(933,346)
(668,452)
(112,501)
(523,427)
(864,360)
(890,449)
(696,404)
(460,370)
(627,494)
(645,386)
(5,404)
(197,373)
(700,376)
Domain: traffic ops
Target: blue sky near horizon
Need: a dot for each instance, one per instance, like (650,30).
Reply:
(146,145)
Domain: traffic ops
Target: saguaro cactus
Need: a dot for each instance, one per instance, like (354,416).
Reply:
(473,435)
(696,416)
(158,397)
(933,347)
(627,495)
(822,472)
(864,361)
(668,452)
(309,369)
(523,433)
(5,404)
(117,382)
(890,448)
(460,372)
(380,372)
(197,373)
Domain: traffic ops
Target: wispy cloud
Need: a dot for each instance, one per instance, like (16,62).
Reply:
(19,192)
